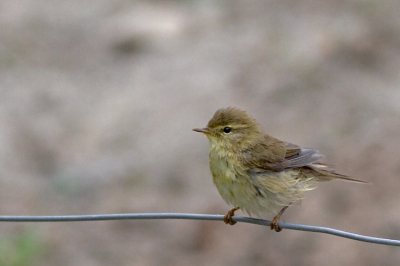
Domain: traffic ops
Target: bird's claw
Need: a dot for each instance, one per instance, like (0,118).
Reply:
(275,224)
(228,216)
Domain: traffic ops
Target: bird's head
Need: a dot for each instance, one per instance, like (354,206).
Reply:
(232,129)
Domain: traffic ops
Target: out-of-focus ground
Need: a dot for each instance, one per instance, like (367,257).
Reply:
(98,99)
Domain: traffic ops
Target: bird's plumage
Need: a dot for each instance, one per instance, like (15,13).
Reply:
(257,172)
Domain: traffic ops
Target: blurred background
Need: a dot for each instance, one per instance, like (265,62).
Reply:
(98,99)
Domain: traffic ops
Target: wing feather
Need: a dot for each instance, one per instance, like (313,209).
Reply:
(305,157)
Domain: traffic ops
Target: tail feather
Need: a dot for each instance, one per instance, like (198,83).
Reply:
(327,173)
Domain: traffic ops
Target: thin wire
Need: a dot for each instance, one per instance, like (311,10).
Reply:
(188,216)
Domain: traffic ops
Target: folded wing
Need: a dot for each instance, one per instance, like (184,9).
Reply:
(304,157)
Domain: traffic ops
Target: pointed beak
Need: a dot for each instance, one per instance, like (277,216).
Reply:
(202,130)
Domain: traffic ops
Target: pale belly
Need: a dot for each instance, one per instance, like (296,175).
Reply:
(266,193)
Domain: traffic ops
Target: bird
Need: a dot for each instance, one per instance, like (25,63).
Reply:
(258,173)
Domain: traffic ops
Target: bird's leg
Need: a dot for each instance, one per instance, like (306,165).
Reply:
(228,216)
(275,221)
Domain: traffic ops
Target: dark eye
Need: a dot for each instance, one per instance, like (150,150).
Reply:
(227,129)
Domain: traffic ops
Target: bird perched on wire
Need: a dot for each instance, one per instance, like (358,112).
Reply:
(256,172)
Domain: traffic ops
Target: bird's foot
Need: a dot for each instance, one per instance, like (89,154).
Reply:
(228,216)
(275,222)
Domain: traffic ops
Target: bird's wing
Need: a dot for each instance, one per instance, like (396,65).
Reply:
(304,157)
(291,150)
(268,155)
(282,156)
(298,157)
(277,160)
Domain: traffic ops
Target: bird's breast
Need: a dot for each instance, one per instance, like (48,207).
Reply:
(230,179)
(222,167)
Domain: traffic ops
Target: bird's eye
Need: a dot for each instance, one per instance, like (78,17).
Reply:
(227,129)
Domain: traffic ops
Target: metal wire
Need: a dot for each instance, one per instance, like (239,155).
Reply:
(188,216)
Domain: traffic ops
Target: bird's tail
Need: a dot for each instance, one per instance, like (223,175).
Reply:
(326,173)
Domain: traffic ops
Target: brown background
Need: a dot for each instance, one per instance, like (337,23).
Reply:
(98,99)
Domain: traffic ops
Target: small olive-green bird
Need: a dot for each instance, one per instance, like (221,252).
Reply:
(256,172)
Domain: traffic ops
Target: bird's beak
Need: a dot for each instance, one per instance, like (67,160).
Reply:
(202,130)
